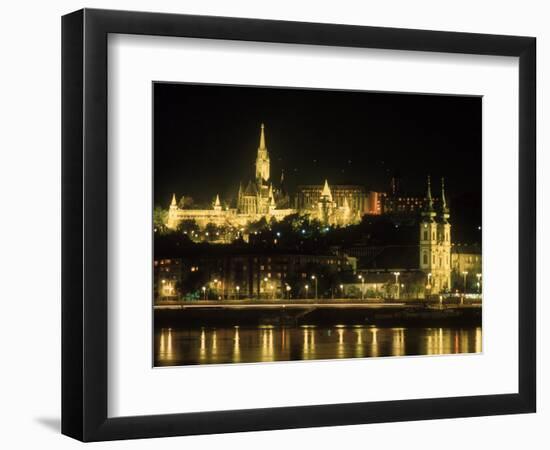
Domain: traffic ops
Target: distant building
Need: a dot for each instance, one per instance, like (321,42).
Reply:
(259,198)
(466,258)
(248,274)
(352,197)
(429,253)
(166,276)
(375,203)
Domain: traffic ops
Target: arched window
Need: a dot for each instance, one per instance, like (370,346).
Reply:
(425,258)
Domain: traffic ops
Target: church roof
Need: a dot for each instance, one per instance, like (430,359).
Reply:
(251,189)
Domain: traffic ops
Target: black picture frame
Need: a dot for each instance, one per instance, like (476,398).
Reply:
(84,224)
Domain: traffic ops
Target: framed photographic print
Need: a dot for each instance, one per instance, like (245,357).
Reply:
(273,224)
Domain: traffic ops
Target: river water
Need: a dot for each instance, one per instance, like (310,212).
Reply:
(185,346)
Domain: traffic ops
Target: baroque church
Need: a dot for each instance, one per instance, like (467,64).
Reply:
(435,242)
(260,197)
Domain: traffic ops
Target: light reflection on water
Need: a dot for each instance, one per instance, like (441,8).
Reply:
(184,346)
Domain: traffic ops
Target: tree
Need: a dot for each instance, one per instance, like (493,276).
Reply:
(185,202)
(188,226)
(160,217)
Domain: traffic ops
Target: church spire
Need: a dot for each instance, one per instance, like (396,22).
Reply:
(174,202)
(262,139)
(429,211)
(217,203)
(326,193)
(444,208)
(262,160)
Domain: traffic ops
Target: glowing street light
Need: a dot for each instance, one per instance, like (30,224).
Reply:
(314,278)
(238,288)
(288,288)
(307,287)
(396,275)
(342,290)
(265,287)
(478,275)
(204,292)
(465,274)
(362,286)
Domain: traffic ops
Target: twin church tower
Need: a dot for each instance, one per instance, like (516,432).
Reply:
(435,241)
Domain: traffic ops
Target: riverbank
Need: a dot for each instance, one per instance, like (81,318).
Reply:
(334,313)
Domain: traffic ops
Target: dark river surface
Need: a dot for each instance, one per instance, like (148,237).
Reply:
(185,346)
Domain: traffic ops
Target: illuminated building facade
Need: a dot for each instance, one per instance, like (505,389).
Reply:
(466,266)
(425,261)
(245,274)
(336,205)
(166,275)
(435,243)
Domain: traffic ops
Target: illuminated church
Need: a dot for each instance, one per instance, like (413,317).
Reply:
(260,197)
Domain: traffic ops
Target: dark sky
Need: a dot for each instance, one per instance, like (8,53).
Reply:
(206,138)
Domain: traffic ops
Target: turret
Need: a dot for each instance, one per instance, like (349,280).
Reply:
(173,203)
(326,193)
(217,203)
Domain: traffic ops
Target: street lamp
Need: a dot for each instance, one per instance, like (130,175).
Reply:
(478,275)
(465,274)
(342,290)
(362,286)
(396,275)
(314,278)
(204,292)
(265,287)
(307,287)
(238,289)
(288,291)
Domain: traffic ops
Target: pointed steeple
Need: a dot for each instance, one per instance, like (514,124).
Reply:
(262,139)
(217,203)
(282,176)
(443,199)
(262,159)
(173,203)
(444,208)
(271,198)
(326,193)
(429,212)
(346,203)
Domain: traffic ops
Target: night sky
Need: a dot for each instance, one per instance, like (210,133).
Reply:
(206,139)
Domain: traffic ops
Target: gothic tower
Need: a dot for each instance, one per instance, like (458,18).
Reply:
(262,160)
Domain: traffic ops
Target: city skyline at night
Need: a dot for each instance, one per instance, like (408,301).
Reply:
(314,216)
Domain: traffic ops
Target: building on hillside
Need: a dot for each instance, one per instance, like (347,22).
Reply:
(429,253)
(262,198)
